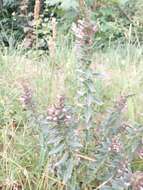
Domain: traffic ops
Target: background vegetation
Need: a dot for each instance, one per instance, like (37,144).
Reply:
(71,95)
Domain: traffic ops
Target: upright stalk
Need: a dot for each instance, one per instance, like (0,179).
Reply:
(84,32)
(37,9)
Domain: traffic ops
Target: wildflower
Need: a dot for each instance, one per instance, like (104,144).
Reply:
(137,181)
(11,184)
(123,169)
(27,97)
(140,152)
(120,103)
(84,32)
(51,110)
(115,145)
(58,112)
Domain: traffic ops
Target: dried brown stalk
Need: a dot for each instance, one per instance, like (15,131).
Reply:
(37,9)
(30,36)
(52,39)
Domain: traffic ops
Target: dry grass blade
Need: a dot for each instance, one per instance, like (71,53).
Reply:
(85,157)
(104,183)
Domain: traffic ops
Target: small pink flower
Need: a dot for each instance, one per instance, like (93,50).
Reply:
(115,145)
(137,181)
(51,110)
(140,153)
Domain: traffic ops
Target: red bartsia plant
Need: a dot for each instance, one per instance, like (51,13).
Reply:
(26,97)
(84,31)
(137,181)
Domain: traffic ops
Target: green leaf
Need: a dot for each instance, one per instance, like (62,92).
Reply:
(63,159)
(57,149)
(106,188)
(98,102)
(88,114)
(75,145)
(55,140)
(68,4)
(52,2)
(65,4)
(90,85)
(69,170)
(90,99)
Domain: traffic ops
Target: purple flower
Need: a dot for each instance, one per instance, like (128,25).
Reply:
(140,152)
(84,32)
(137,181)
(115,145)
(26,98)
(58,113)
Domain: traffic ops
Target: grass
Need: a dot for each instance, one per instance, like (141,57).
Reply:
(21,163)
(122,74)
